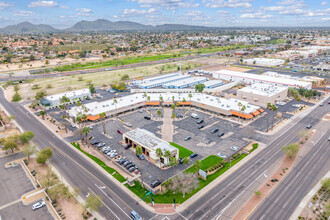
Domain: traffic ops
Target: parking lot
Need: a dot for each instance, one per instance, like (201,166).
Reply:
(14,184)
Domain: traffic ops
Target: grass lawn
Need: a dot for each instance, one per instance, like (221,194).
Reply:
(255,146)
(183,152)
(169,195)
(206,163)
(110,170)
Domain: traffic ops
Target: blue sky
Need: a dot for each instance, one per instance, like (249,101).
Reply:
(219,13)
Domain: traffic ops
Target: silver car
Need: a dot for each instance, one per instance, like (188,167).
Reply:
(233,148)
(38,205)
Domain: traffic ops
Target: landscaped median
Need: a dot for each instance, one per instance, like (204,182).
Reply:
(110,170)
(168,195)
(183,152)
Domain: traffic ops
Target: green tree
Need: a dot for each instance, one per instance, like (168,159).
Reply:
(115,102)
(190,96)
(47,151)
(257,193)
(9,145)
(92,89)
(26,136)
(40,95)
(274,109)
(197,165)
(93,202)
(173,163)
(64,100)
(159,113)
(41,158)
(29,149)
(326,183)
(85,131)
(167,155)
(42,113)
(291,150)
(173,116)
(159,154)
(103,115)
(199,87)
(138,150)
(16,97)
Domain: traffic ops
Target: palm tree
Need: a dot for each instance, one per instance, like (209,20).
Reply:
(173,107)
(85,131)
(159,113)
(159,154)
(167,154)
(174,163)
(239,107)
(173,116)
(103,115)
(243,109)
(190,96)
(197,165)
(115,102)
(161,99)
(274,109)
(185,161)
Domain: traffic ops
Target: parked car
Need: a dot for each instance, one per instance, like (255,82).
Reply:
(126,162)
(200,127)
(100,145)
(187,138)
(321,104)
(132,169)
(140,111)
(94,142)
(73,125)
(222,155)
(215,130)
(193,115)
(38,205)
(179,115)
(309,126)
(112,155)
(193,155)
(200,121)
(233,148)
(180,160)
(147,117)
(91,127)
(128,124)
(221,134)
(155,183)
(119,131)
(128,146)
(134,215)
(140,156)
(122,161)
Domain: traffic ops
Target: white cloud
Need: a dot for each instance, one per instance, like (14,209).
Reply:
(256,15)
(64,7)
(326,19)
(274,8)
(288,2)
(22,13)
(167,4)
(227,4)
(324,3)
(46,4)
(194,13)
(222,12)
(83,10)
(297,11)
(5,5)
(136,12)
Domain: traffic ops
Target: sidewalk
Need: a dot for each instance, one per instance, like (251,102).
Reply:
(167,127)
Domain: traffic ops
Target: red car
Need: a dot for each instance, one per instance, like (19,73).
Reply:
(119,132)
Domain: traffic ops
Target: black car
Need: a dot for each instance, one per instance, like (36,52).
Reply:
(155,183)
(122,161)
(193,155)
(221,134)
(200,127)
(180,160)
(187,138)
(129,166)
(147,117)
(126,162)
(132,169)
(215,130)
(179,115)
(128,146)
(94,142)
(309,126)
(200,121)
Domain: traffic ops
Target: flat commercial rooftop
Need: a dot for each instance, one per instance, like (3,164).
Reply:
(95,108)
(68,94)
(156,78)
(269,79)
(149,140)
(263,89)
(163,81)
(184,82)
(211,83)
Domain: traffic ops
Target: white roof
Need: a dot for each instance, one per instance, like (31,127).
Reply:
(264,78)
(177,77)
(70,94)
(185,81)
(263,89)
(95,108)
(149,140)
(212,82)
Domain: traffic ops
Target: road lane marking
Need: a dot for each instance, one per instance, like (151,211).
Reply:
(112,200)
(182,216)
(104,204)
(223,210)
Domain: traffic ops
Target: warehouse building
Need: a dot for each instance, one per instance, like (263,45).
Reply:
(160,81)
(264,61)
(249,78)
(184,83)
(213,104)
(53,101)
(149,143)
(261,94)
(213,84)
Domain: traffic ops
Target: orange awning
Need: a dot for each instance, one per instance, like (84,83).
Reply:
(238,114)
(261,110)
(152,103)
(93,118)
(184,103)
(256,113)
(248,116)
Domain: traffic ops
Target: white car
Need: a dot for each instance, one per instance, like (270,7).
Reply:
(222,155)
(113,155)
(128,124)
(73,125)
(233,148)
(38,205)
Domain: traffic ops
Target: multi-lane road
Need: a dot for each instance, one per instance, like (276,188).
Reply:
(221,202)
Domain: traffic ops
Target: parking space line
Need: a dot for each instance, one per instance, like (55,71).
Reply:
(10,203)
(105,204)
(214,123)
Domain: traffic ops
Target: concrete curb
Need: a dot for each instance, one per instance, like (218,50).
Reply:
(309,195)
(127,191)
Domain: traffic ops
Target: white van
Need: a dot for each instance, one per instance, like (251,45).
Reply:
(193,115)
